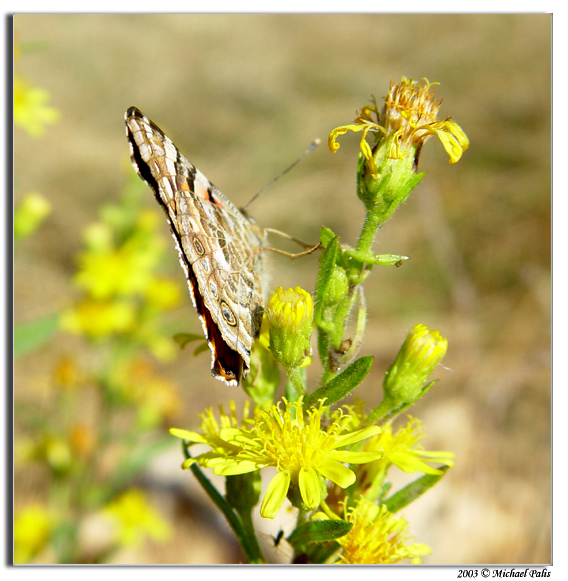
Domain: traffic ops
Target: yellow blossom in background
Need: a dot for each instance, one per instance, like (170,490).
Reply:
(83,440)
(67,373)
(98,319)
(29,214)
(155,397)
(31,111)
(123,271)
(377,537)
(118,273)
(32,529)
(135,520)
(162,294)
(296,441)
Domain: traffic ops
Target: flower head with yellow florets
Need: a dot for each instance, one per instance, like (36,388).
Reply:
(292,438)
(377,537)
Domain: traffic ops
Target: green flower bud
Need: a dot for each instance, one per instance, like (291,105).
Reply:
(419,355)
(337,287)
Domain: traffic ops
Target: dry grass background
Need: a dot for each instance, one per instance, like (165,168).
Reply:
(242,95)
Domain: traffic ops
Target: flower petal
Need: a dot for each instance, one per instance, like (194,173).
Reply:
(187,463)
(332,144)
(275,495)
(453,139)
(187,435)
(309,487)
(410,463)
(231,467)
(355,457)
(356,436)
(337,473)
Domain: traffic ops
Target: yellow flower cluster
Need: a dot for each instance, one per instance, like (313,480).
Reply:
(377,537)
(289,437)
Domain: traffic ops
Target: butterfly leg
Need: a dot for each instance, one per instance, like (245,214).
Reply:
(309,248)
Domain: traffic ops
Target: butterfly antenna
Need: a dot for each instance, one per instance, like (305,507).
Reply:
(312,146)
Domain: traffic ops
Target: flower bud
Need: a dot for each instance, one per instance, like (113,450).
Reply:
(290,314)
(419,355)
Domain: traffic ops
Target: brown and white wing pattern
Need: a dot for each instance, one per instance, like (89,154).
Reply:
(220,249)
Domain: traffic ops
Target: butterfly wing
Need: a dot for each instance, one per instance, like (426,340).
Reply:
(219,248)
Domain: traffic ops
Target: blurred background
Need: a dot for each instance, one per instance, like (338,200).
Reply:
(243,96)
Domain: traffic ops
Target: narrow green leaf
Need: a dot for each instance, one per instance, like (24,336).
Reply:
(411,492)
(137,459)
(182,339)
(322,552)
(318,531)
(244,534)
(34,334)
(338,387)
(198,350)
(325,271)
(326,236)
(380,259)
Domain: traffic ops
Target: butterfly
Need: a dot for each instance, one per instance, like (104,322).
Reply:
(220,248)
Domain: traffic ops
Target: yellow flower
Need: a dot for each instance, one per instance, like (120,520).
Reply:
(407,121)
(410,111)
(31,111)
(135,519)
(124,271)
(293,440)
(98,319)
(32,528)
(377,537)
(403,450)
(163,293)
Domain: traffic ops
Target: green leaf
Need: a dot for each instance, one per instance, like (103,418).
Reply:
(138,459)
(411,492)
(182,339)
(321,552)
(318,531)
(198,350)
(340,386)
(327,262)
(380,259)
(34,334)
(326,236)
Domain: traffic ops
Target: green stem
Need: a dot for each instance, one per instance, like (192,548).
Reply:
(384,412)
(253,546)
(373,221)
(244,533)
(295,386)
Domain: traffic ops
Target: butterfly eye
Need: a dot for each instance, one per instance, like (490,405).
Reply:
(198,246)
(228,314)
